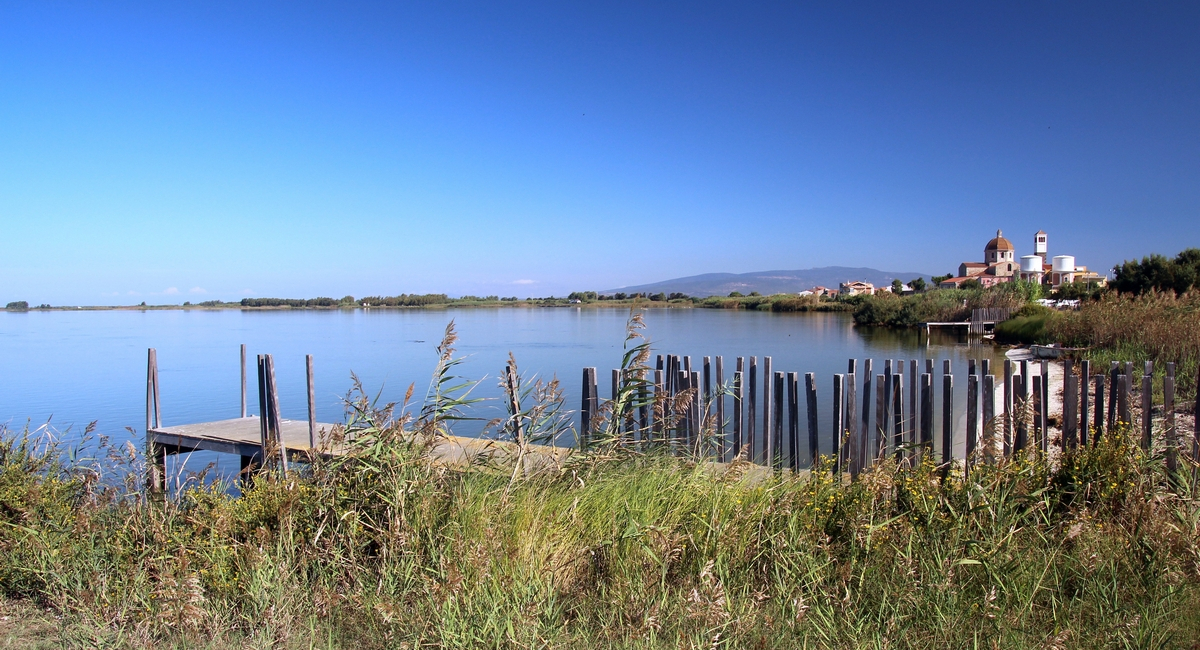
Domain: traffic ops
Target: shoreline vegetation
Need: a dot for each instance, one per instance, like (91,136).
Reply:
(588,299)
(620,545)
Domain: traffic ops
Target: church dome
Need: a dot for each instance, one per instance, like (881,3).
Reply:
(999,243)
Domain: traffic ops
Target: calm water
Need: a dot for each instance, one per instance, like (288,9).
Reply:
(72,368)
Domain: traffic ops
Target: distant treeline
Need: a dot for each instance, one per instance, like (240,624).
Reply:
(296,302)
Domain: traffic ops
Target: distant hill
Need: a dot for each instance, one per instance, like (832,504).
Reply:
(769,282)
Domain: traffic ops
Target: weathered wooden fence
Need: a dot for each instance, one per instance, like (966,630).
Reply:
(683,408)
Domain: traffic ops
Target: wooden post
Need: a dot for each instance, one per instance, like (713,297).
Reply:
(1085,405)
(1123,400)
(970,366)
(1070,435)
(706,404)
(738,395)
(151,397)
(1006,430)
(1038,423)
(752,411)
(852,367)
(947,419)
(987,366)
(263,412)
(850,451)
(972,421)
(687,365)
(914,413)
(643,405)
(721,399)
(765,449)
(697,413)
(810,389)
(887,393)
(513,388)
(587,410)
(658,413)
(156,465)
(243,380)
(1147,409)
(838,425)
(898,415)
(1172,459)
(989,409)
(881,404)
(793,383)
(926,446)
(864,433)
(1098,415)
(1196,427)
(1113,388)
(775,452)
(683,421)
(275,429)
(312,403)
(1021,387)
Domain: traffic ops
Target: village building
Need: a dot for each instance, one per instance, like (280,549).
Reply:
(856,288)
(1000,265)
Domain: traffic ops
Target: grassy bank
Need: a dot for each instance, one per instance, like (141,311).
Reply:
(940,305)
(386,550)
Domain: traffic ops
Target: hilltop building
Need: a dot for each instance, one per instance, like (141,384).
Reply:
(999,266)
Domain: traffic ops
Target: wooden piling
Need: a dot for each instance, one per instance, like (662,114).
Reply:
(947,418)
(850,451)
(810,391)
(1038,423)
(926,447)
(898,416)
(1021,409)
(738,395)
(1123,400)
(243,380)
(838,423)
(1070,421)
(1006,430)
(881,404)
(793,382)
(1098,415)
(767,415)
(587,409)
(1147,408)
(775,449)
(697,441)
(914,413)
(972,437)
(988,414)
(1085,405)
(312,403)
(263,411)
(1113,388)
(707,403)
(658,413)
(864,433)
(720,363)
(156,462)
(752,412)
(986,368)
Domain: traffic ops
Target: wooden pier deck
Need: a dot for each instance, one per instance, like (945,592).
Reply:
(243,437)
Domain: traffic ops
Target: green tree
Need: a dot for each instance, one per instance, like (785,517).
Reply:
(897,286)
(938,279)
(918,285)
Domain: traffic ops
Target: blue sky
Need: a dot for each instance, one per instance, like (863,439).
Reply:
(189,151)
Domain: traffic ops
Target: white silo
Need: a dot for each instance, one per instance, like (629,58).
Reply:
(1064,264)
(1031,264)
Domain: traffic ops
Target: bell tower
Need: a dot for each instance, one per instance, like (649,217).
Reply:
(1039,243)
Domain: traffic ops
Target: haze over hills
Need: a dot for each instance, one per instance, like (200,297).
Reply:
(769,282)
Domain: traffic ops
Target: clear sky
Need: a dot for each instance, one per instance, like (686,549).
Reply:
(170,151)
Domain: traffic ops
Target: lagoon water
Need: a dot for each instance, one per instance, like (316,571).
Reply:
(71,368)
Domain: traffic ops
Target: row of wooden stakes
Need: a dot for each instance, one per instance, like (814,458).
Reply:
(684,407)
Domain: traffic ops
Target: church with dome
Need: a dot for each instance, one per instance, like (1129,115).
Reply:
(1000,264)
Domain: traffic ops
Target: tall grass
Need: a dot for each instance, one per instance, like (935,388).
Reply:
(622,547)
(1159,327)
